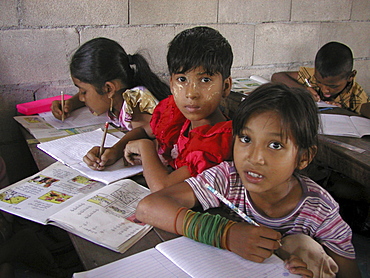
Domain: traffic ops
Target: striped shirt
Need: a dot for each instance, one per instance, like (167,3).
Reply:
(316,215)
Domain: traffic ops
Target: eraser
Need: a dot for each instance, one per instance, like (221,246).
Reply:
(38,106)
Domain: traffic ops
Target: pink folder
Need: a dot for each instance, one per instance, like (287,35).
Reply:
(38,106)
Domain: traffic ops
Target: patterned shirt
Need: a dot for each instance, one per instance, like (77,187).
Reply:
(316,215)
(351,98)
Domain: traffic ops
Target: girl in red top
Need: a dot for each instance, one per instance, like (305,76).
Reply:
(192,132)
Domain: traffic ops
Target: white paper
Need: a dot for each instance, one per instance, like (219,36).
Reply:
(343,125)
(149,263)
(201,260)
(43,194)
(78,118)
(107,216)
(71,150)
(193,258)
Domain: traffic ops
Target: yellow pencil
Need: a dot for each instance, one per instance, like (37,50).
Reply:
(103,140)
(62,104)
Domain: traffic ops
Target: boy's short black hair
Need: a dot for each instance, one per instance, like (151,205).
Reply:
(296,107)
(200,47)
(334,59)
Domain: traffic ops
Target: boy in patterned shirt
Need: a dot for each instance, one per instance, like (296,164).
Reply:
(332,80)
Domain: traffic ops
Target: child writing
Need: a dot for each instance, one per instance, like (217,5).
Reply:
(192,132)
(275,134)
(114,82)
(332,80)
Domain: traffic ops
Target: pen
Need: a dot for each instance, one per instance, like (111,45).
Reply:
(231,205)
(326,108)
(234,208)
(103,139)
(307,83)
(62,104)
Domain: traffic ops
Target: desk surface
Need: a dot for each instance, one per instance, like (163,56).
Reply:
(90,254)
(331,152)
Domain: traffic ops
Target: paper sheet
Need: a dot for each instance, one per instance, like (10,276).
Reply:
(78,118)
(70,150)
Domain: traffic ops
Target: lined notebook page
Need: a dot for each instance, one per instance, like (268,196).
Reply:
(149,263)
(201,260)
(70,150)
(78,118)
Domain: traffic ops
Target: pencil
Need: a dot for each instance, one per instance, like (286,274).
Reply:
(62,104)
(231,205)
(103,139)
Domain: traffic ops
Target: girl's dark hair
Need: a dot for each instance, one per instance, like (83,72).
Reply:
(100,60)
(200,47)
(296,107)
(334,59)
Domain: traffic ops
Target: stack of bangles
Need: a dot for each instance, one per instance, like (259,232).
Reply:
(206,228)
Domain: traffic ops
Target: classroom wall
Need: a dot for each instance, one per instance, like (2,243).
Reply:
(37,39)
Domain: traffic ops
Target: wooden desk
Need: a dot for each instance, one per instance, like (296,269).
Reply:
(351,163)
(90,254)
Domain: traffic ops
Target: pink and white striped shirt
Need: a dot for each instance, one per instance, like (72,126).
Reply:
(316,214)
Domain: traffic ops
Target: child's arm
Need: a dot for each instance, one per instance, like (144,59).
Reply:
(157,175)
(70,104)
(290,78)
(365,109)
(111,155)
(162,209)
(347,267)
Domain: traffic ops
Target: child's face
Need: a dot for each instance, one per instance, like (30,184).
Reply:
(331,85)
(198,94)
(264,158)
(97,103)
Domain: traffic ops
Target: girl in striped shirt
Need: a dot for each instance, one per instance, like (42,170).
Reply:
(275,136)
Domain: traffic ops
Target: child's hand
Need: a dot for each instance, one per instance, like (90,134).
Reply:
(109,157)
(295,265)
(133,152)
(251,242)
(314,94)
(333,103)
(56,109)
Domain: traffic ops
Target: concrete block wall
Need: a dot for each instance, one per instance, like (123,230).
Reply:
(37,38)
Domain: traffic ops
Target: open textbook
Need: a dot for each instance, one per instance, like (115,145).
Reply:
(247,85)
(343,125)
(183,257)
(70,150)
(60,196)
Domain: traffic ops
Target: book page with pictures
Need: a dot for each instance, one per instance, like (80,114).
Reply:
(71,150)
(44,132)
(107,216)
(43,194)
(343,125)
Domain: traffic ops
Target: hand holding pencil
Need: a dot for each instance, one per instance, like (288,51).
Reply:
(62,103)
(103,139)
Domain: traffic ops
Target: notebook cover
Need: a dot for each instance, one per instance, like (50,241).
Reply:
(38,106)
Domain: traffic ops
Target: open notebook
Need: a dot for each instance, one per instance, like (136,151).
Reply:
(183,257)
(70,150)
(343,125)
